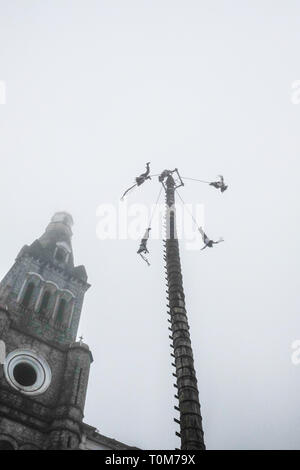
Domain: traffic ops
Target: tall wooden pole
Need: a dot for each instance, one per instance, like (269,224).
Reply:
(191,432)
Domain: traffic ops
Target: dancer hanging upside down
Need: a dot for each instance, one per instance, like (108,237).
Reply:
(143,250)
(219,184)
(207,241)
(140,179)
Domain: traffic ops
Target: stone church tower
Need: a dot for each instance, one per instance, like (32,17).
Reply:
(44,379)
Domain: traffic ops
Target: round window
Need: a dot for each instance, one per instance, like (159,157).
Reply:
(25,374)
(27,371)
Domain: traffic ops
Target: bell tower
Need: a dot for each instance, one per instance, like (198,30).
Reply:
(45,374)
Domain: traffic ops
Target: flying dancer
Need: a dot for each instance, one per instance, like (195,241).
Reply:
(207,241)
(219,184)
(143,250)
(139,179)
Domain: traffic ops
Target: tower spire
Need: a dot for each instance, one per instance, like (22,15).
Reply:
(191,431)
(58,233)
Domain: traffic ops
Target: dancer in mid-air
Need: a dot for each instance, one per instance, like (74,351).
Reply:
(219,184)
(207,241)
(143,250)
(140,179)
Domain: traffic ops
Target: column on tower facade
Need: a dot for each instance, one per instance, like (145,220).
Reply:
(65,430)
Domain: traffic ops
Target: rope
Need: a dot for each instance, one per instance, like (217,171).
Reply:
(129,191)
(155,206)
(193,179)
(185,207)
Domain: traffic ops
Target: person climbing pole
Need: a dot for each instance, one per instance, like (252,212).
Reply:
(140,179)
(219,184)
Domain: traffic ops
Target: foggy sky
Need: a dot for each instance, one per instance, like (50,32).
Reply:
(94,90)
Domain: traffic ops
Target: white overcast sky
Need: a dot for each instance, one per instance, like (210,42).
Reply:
(94,89)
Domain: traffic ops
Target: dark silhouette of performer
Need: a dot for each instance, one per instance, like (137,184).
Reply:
(144,176)
(164,175)
(219,184)
(207,241)
(143,250)
(140,179)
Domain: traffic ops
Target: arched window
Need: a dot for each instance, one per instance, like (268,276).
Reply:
(28,294)
(61,310)
(45,302)
(6,445)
